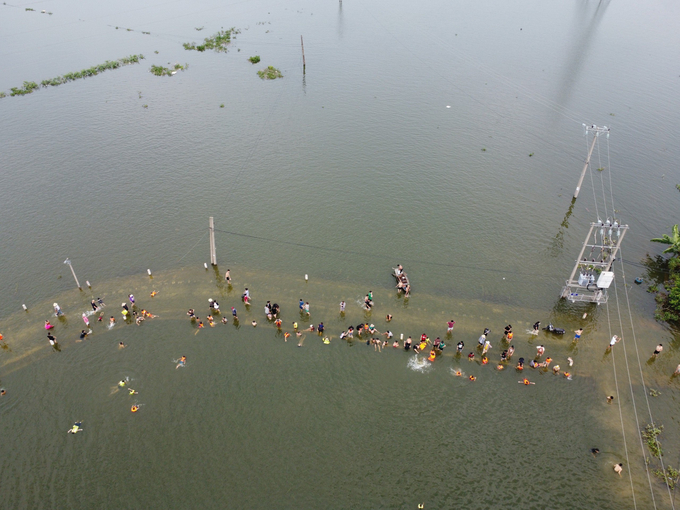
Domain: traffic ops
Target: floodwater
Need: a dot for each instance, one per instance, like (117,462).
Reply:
(446,137)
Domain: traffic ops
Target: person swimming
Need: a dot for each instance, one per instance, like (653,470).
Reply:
(286,335)
(121,345)
(181,362)
(121,383)
(132,392)
(459,347)
(407,344)
(77,427)
(471,356)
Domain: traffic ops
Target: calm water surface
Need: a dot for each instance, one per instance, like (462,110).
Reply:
(339,173)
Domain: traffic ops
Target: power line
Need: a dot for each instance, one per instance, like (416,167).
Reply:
(377,255)
(623,431)
(632,395)
(642,380)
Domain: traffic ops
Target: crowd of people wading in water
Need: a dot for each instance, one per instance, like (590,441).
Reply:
(361,332)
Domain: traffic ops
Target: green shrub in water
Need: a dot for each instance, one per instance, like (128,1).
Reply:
(650,434)
(271,73)
(670,476)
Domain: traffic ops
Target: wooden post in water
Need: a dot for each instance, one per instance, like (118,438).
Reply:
(303,55)
(213,253)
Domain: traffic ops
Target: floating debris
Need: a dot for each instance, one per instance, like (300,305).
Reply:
(271,73)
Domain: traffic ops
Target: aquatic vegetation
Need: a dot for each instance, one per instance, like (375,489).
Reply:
(483,149)
(668,303)
(218,42)
(670,476)
(255,59)
(222,105)
(677,186)
(198,29)
(654,393)
(2,94)
(164,71)
(531,154)
(30,86)
(145,106)
(600,169)
(271,73)
(29,9)
(650,434)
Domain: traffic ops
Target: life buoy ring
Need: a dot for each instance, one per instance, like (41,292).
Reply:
(134,408)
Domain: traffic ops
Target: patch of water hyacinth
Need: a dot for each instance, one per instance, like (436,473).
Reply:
(271,73)
(164,71)
(217,42)
(29,86)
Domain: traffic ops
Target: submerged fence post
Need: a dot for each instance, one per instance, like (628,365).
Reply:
(303,55)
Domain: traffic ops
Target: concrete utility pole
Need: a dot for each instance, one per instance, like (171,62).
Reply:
(597,131)
(67,261)
(213,252)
